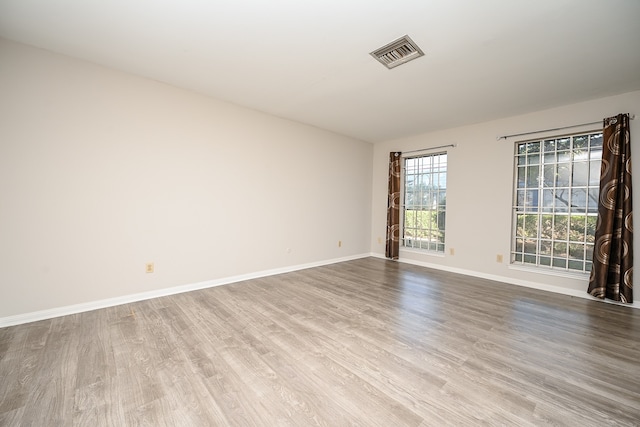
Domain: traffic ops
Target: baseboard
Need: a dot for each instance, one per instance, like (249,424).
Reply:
(126,299)
(511,281)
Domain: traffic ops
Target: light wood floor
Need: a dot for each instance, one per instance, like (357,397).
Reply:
(367,342)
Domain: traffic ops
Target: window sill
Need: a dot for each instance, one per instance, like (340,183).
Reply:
(422,252)
(550,271)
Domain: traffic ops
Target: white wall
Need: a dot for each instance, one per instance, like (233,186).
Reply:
(102,172)
(479,189)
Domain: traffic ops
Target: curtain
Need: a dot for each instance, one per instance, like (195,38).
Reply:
(393,207)
(612,271)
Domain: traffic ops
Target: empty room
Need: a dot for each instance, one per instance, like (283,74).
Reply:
(336,213)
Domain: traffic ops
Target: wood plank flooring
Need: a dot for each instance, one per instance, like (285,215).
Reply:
(368,342)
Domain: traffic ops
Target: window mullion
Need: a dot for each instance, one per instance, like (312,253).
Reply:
(424,232)
(560,202)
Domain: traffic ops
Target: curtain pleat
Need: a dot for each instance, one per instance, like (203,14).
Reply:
(612,271)
(393,207)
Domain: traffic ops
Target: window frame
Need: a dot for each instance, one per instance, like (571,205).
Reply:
(440,247)
(541,210)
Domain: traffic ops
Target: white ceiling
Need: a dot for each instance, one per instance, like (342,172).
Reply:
(309,60)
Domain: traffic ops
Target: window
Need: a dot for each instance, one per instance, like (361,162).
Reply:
(556,201)
(425,193)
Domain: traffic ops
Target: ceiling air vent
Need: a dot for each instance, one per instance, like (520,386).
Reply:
(397,52)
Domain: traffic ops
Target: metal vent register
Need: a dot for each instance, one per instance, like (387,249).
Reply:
(397,52)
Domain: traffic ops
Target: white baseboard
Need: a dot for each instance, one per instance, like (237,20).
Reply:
(511,281)
(125,299)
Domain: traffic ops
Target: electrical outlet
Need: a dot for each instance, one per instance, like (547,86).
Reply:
(148,267)
(452,251)
(339,243)
(499,258)
(379,240)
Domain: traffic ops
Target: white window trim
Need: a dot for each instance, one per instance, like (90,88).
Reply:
(532,268)
(414,250)
(550,271)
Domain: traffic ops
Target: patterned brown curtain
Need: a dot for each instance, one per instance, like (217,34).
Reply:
(393,207)
(612,271)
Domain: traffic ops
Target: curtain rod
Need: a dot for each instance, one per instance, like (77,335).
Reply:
(428,149)
(631,116)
